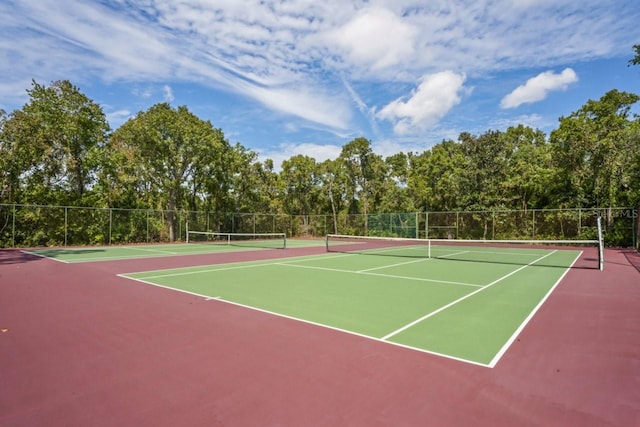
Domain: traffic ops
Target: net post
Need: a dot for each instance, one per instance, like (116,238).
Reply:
(285,240)
(186,229)
(326,242)
(600,245)
(429,248)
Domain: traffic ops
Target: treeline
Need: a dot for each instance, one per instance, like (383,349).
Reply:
(59,150)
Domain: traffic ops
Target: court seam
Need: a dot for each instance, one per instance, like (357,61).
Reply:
(433,313)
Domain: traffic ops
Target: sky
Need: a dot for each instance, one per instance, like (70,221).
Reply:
(307,76)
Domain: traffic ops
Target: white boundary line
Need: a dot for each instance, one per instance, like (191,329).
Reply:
(44,256)
(452,303)
(241,263)
(391,276)
(309,322)
(133,248)
(384,340)
(411,262)
(209,270)
(392,265)
(517,332)
(157,253)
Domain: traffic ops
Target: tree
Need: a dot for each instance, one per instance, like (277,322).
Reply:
(484,170)
(55,143)
(253,184)
(332,179)
(395,195)
(300,182)
(593,149)
(171,150)
(529,168)
(418,181)
(445,176)
(365,171)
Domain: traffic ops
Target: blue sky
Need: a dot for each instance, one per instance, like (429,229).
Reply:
(308,76)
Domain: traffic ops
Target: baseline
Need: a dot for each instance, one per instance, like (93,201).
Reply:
(433,313)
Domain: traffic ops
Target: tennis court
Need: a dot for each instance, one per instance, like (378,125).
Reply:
(459,301)
(223,242)
(360,332)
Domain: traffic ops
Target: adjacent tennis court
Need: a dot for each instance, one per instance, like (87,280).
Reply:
(200,243)
(462,301)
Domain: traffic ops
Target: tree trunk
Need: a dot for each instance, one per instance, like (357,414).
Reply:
(172,218)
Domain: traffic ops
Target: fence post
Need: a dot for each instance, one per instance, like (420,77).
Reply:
(493,225)
(579,222)
(13,227)
(636,225)
(66,210)
(426,225)
(533,225)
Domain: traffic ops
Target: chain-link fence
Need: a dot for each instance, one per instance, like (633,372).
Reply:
(33,225)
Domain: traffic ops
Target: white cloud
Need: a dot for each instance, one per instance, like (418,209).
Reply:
(431,101)
(375,38)
(537,88)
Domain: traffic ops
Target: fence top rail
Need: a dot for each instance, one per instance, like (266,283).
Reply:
(594,210)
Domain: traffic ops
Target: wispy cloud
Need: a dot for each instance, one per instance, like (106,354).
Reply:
(320,152)
(168,93)
(534,121)
(291,56)
(537,88)
(117,117)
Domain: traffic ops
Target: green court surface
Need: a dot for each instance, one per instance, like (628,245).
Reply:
(467,305)
(115,252)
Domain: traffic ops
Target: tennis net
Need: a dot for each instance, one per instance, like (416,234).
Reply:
(253,240)
(554,253)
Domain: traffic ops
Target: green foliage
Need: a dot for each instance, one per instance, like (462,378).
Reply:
(51,150)
(594,151)
(636,59)
(170,156)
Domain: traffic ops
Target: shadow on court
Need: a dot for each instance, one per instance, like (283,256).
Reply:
(15,256)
